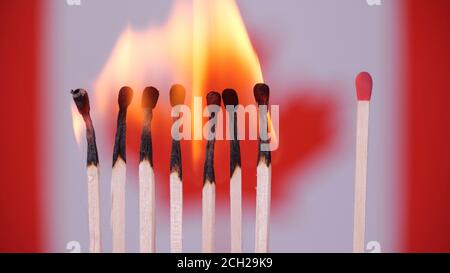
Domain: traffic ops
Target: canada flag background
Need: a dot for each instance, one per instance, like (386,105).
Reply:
(307,51)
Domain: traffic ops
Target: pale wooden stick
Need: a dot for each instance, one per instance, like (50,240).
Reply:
(146,207)
(176,213)
(364,85)
(94,209)
(236,211)
(118,206)
(208,216)
(362,128)
(263,196)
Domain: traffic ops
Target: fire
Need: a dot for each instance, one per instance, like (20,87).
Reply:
(204,45)
(223,54)
(155,56)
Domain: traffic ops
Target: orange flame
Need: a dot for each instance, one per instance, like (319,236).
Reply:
(204,46)
(223,55)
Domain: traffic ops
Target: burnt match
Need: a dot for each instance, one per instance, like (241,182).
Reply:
(146,174)
(263,171)
(118,177)
(364,85)
(81,99)
(177,96)
(231,101)
(208,192)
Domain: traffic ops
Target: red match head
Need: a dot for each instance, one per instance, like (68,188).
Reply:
(363,86)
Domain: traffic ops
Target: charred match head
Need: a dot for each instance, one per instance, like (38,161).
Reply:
(364,85)
(177,95)
(213,98)
(230,97)
(124,100)
(81,99)
(261,92)
(149,97)
(125,97)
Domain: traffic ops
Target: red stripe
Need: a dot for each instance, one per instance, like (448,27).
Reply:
(19,204)
(428,113)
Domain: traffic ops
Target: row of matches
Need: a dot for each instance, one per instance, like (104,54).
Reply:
(147,197)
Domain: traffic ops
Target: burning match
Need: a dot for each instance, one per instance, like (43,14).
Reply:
(363,94)
(230,100)
(118,177)
(209,194)
(146,174)
(263,171)
(177,95)
(81,99)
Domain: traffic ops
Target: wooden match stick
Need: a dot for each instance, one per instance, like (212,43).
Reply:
(118,177)
(147,175)
(363,93)
(81,98)
(177,96)
(209,180)
(263,172)
(230,100)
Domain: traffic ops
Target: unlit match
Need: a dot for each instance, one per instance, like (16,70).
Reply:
(118,177)
(230,100)
(209,180)
(177,96)
(81,98)
(263,172)
(363,93)
(146,175)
